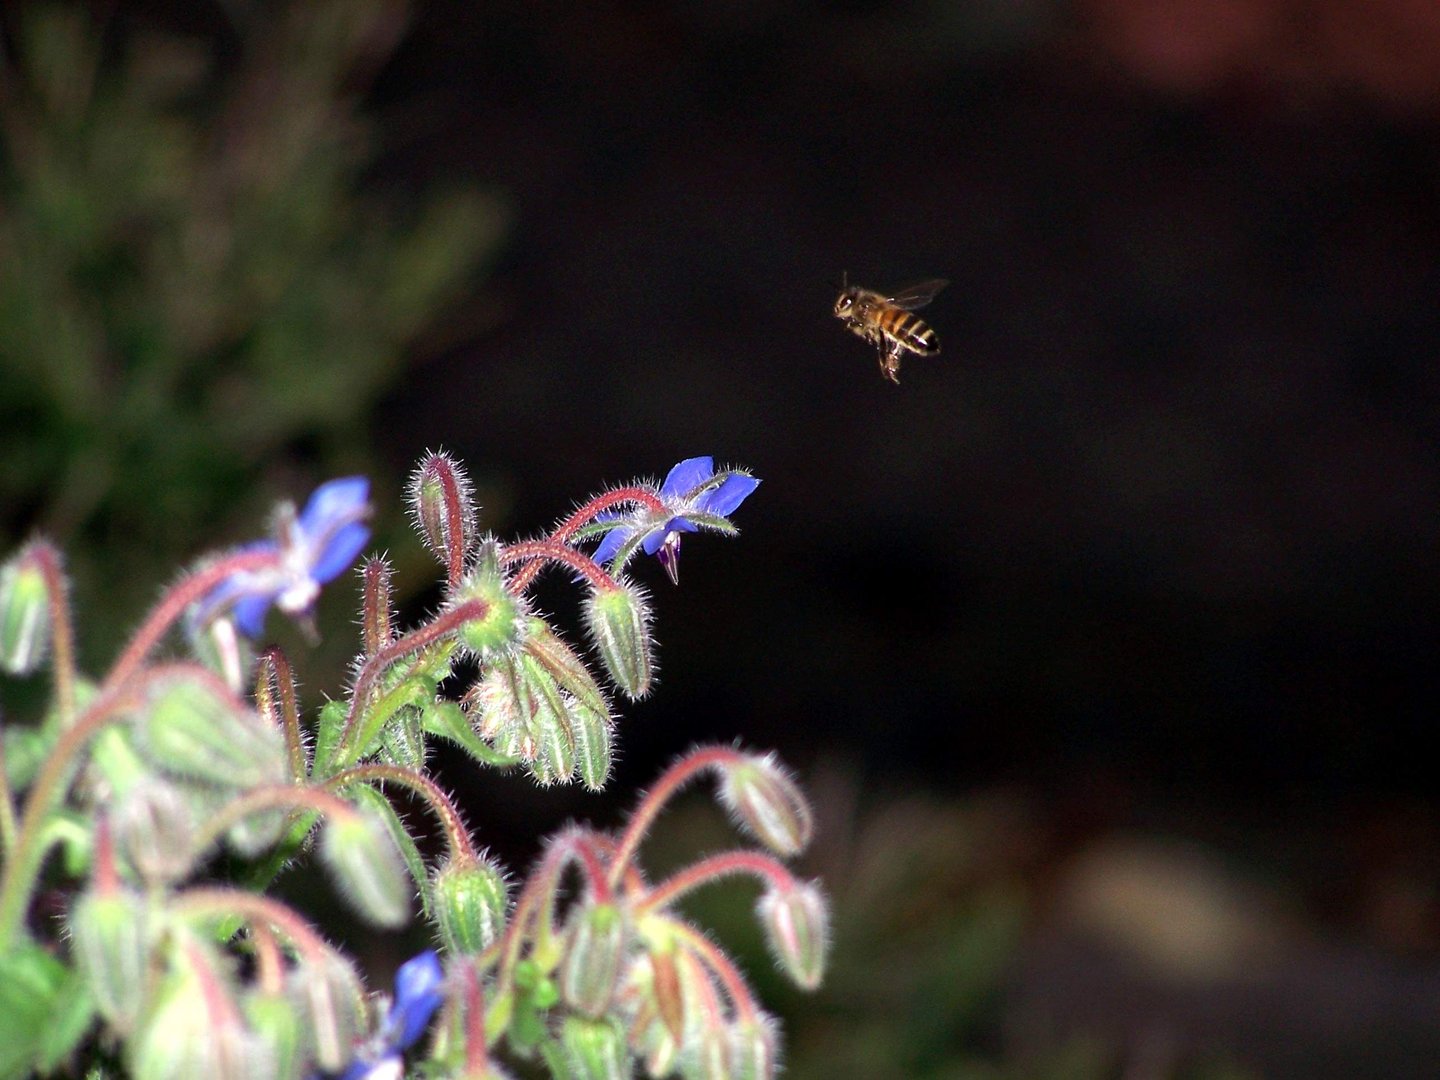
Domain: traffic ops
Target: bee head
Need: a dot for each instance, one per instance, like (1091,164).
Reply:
(846,300)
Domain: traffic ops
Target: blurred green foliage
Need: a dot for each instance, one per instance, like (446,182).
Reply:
(196,288)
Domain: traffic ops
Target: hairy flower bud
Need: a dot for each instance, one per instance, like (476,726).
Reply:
(24,614)
(110,935)
(754,1049)
(367,868)
(441,498)
(619,623)
(767,803)
(796,919)
(193,1026)
(469,900)
(595,1049)
(501,629)
(593,732)
(330,1004)
(594,950)
(191,726)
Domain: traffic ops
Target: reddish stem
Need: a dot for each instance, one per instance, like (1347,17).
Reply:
(670,782)
(445,623)
(551,551)
(713,868)
(62,633)
(275,695)
(461,847)
(173,604)
(635,493)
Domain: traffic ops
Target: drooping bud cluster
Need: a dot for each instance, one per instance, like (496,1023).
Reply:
(182,964)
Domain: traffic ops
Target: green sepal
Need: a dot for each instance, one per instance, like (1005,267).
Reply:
(447,720)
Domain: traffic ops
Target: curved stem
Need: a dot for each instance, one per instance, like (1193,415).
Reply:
(670,782)
(713,868)
(173,604)
(461,846)
(634,493)
(445,623)
(274,797)
(543,552)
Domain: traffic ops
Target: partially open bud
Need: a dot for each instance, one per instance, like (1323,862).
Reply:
(191,726)
(619,623)
(767,804)
(502,628)
(24,614)
(594,950)
(797,929)
(367,867)
(469,900)
(442,503)
(595,1049)
(110,935)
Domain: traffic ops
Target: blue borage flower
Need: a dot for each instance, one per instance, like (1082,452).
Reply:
(315,547)
(696,497)
(418,993)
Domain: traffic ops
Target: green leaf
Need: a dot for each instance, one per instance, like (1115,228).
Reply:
(45,1010)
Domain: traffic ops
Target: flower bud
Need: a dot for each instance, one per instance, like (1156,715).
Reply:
(754,1049)
(193,1026)
(24,614)
(708,1055)
(595,1049)
(593,732)
(594,950)
(191,727)
(502,628)
(402,741)
(796,919)
(440,496)
(110,936)
(330,1005)
(767,803)
(377,616)
(553,758)
(565,665)
(276,1026)
(154,826)
(367,868)
(469,900)
(619,623)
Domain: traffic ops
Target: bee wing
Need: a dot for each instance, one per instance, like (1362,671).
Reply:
(917,295)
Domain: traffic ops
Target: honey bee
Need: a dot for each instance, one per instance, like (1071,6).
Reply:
(886,322)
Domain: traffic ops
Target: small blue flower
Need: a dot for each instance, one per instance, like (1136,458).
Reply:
(315,547)
(418,993)
(695,497)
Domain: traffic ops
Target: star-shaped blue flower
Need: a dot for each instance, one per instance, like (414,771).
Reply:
(315,547)
(418,993)
(696,497)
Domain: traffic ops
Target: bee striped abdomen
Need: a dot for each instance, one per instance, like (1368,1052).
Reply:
(912,332)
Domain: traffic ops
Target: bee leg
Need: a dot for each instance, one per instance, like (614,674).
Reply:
(890,363)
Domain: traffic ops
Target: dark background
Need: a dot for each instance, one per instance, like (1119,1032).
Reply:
(1162,513)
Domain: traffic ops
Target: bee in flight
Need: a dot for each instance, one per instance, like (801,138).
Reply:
(886,322)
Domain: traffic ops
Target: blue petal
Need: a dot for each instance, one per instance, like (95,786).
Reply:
(730,494)
(687,476)
(610,544)
(339,552)
(335,501)
(417,996)
(249,613)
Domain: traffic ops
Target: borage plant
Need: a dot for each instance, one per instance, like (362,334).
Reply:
(146,815)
